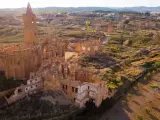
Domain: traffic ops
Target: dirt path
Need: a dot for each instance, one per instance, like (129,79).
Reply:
(141,103)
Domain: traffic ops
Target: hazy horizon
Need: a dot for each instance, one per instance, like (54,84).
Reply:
(81,3)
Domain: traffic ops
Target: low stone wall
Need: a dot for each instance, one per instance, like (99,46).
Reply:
(4,93)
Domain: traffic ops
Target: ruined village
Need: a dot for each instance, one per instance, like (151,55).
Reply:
(68,60)
(52,65)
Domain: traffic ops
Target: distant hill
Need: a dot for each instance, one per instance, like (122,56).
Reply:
(137,9)
(63,9)
(141,9)
(76,8)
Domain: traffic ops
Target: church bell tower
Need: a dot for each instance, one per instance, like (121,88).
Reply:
(30,27)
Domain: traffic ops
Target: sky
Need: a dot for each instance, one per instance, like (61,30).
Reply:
(78,3)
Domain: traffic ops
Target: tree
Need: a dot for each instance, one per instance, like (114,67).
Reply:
(87,23)
(126,22)
(147,13)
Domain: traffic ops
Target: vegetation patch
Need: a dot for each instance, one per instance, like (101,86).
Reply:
(153,85)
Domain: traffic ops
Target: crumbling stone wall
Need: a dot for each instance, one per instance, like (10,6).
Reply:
(80,92)
(20,62)
(88,47)
(34,84)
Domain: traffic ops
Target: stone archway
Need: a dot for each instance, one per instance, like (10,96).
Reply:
(90,104)
(2,71)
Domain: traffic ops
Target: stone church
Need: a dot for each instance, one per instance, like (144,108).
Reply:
(19,60)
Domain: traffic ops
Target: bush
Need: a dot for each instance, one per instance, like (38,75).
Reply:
(129,95)
(116,40)
(147,65)
(112,85)
(145,78)
(139,117)
(147,110)
(126,22)
(153,85)
(156,64)
(113,48)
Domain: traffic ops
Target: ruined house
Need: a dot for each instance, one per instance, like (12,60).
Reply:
(81,85)
(78,83)
(88,47)
(34,85)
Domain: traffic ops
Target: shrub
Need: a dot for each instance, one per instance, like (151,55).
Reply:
(148,74)
(153,85)
(139,117)
(156,64)
(145,78)
(153,71)
(112,85)
(147,65)
(126,22)
(129,95)
(147,110)
(124,101)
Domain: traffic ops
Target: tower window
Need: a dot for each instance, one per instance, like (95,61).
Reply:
(72,89)
(19,90)
(18,62)
(76,90)
(63,86)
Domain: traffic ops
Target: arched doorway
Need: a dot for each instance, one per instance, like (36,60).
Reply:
(2,72)
(90,104)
